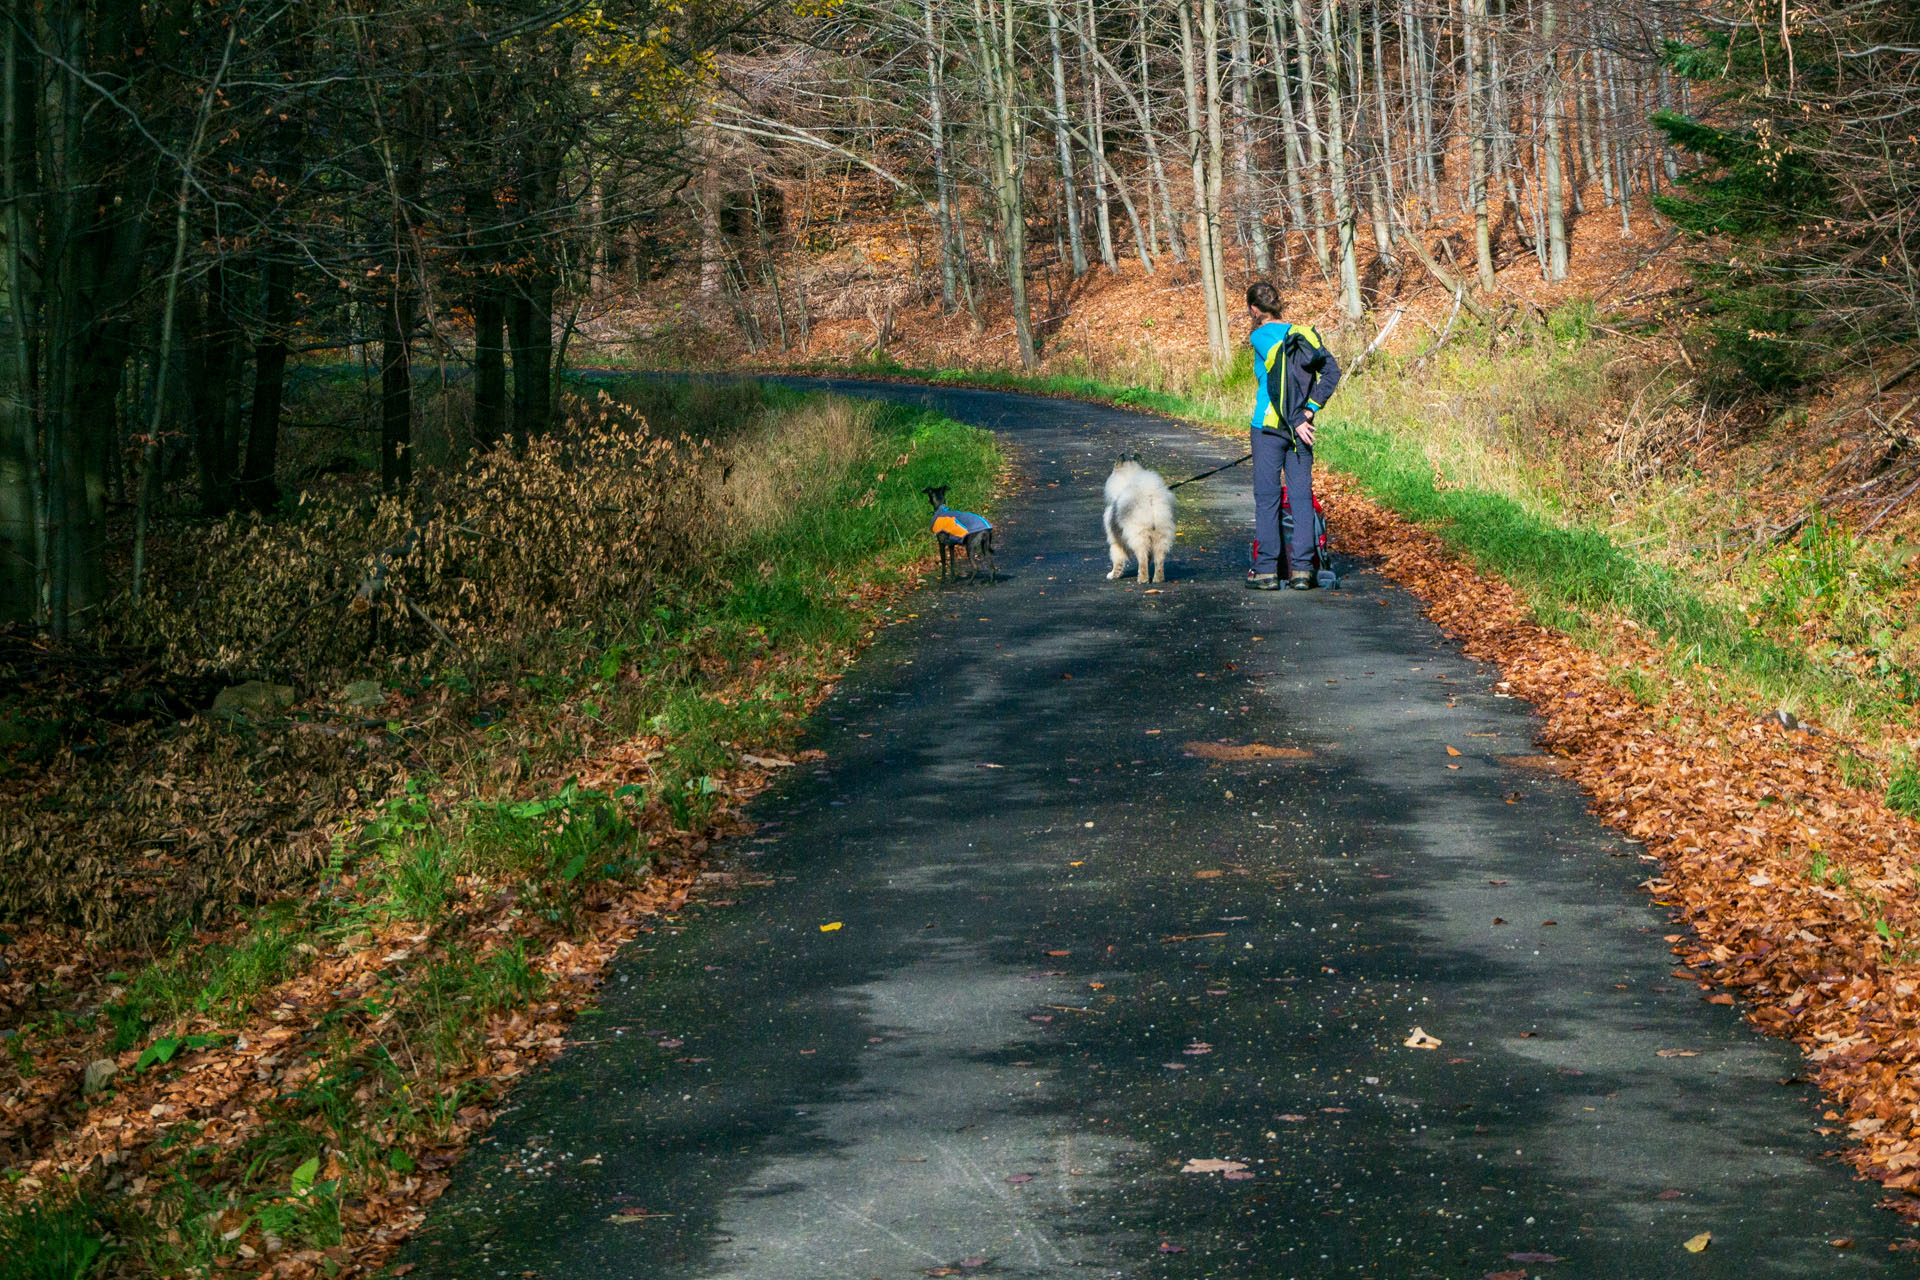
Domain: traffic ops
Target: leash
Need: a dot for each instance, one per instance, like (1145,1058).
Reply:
(1204,474)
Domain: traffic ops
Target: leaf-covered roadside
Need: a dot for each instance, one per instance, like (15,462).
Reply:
(285,1095)
(1799,889)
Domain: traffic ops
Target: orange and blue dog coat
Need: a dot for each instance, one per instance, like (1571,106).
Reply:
(958,524)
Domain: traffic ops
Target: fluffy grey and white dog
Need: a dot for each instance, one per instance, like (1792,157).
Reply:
(1138,520)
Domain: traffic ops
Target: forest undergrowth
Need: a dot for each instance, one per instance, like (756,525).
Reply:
(363,904)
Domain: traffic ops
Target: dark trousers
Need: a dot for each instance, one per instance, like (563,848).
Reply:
(1274,465)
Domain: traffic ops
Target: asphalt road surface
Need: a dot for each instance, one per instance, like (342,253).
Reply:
(1082,941)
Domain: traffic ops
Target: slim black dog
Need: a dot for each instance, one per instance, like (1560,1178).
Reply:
(959,532)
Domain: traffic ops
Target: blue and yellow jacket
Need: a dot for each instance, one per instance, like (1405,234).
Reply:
(958,524)
(1308,374)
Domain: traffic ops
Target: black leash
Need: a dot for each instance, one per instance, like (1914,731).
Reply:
(1204,474)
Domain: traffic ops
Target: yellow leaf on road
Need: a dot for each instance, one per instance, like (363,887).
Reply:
(829,928)
(1453,751)
(1699,1243)
(1419,1039)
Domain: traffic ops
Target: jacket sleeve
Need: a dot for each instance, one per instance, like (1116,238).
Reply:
(1325,371)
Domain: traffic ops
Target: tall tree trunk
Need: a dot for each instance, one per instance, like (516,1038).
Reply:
(942,180)
(396,383)
(1205,179)
(1351,304)
(1380,165)
(1295,157)
(257,487)
(1216,170)
(489,307)
(1550,110)
(1479,121)
(999,50)
(713,253)
(1176,242)
(215,365)
(23,547)
(1246,182)
(1303,41)
(1097,147)
(1069,190)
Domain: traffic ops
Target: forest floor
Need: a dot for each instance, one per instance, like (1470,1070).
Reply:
(279,1084)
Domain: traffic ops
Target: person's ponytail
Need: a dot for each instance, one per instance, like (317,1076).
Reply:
(1264,298)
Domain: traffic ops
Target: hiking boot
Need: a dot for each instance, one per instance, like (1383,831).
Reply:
(1301,582)
(1264,582)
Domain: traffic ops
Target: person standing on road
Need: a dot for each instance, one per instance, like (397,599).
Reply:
(1295,374)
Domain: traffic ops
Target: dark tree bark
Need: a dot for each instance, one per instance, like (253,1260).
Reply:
(396,385)
(258,488)
(214,363)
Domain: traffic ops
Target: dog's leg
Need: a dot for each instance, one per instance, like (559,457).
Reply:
(1144,553)
(1115,551)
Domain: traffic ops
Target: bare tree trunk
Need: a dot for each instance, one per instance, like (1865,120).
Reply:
(396,383)
(1380,162)
(489,308)
(1246,184)
(1550,111)
(1617,155)
(257,487)
(1097,147)
(23,544)
(1069,190)
(1202,158)
(1310,114)
(1295,156)
(1351,304)
(1176,243)
(998,51)
(942,179)
(713,253)
(1473,16)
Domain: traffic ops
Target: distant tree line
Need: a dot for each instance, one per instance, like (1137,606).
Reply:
(1324,139)
(1272,136)
(198,193)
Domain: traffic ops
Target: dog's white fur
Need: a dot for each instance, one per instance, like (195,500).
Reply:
(1138,520)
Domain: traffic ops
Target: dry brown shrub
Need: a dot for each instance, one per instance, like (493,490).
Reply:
(472,564)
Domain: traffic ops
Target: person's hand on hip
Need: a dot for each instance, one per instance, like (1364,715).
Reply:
(1305,430)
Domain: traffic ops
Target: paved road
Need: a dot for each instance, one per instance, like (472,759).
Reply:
(1076,953)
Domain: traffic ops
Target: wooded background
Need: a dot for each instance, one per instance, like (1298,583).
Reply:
(200,197)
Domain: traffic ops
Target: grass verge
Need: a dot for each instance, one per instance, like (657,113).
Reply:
(285,1094)
(1556,466)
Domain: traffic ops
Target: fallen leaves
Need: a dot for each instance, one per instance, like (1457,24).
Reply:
(1247,751)
(1678,1053)
(1733,810)
(832,927)
(1419,1039)
(1228,1167)
(1699,1243)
